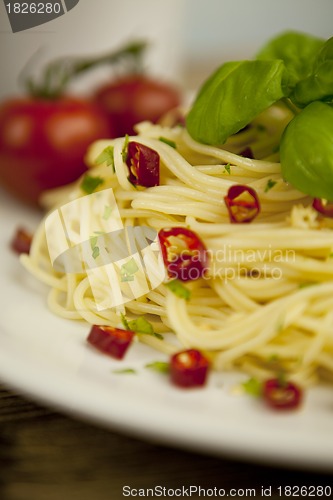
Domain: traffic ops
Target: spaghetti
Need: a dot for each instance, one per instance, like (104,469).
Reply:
(266,304)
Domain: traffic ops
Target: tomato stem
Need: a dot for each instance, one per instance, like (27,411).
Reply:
(59,73)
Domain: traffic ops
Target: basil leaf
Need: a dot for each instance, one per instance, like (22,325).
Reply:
(319,85)
(234,95)
(297,50)
(306,151)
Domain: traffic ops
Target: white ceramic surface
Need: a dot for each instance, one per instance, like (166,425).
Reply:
(48,359)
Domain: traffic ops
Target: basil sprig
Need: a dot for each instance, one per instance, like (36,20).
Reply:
(231,98)
(295,68)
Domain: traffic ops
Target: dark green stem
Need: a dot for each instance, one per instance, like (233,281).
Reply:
(58,74)
(291,106)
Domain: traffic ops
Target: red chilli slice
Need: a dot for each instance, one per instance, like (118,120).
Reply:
(189,368)
(21,241)
(282,395)
(247,153)
(323,206)
(110,340)
(143,164)
(242,203)
(184,254)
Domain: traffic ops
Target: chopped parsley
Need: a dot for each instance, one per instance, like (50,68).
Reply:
(128,270)
(107,212)
(270,184)
(93,241)
(94,247)
(168,141)
(252,386)
(177,287)
(107,157)
(124,151)
(95,252)
(227,168)
(89,183)
(124,371)
(158,366)
(140,325)
(306,284)
(124,322)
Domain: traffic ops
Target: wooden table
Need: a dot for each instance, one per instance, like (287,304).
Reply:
(49,456)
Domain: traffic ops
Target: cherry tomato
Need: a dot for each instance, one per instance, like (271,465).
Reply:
(43,142)
(135,98)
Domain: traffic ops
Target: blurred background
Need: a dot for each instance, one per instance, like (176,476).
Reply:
(189,38)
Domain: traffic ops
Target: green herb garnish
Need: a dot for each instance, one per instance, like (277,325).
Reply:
(107,157)
(270,184)
(94,247)
(124,322)
(89,184)
(168,141)
(227,168)
(177,287)
(128,270)
(95,253)
(158,366)
(140,325)
(124,371)
(252,386)
(124,151)
(93,241)
(306,284)
(107,212)
(295,70)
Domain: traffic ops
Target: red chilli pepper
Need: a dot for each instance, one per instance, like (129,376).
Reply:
(110,340)
(21,241)
(184,254)
(143,164)
(247,153)
(323,206)
(189,368)
(242,203)
(282,395)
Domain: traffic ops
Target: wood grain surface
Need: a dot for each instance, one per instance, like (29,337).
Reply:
(49,456)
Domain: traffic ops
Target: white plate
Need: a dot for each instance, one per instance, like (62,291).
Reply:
(48,359)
